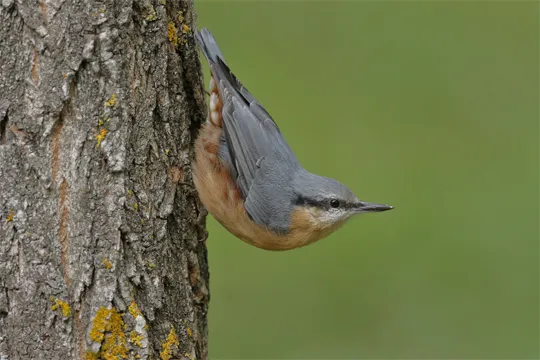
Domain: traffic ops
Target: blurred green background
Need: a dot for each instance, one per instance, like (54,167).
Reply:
(429,106)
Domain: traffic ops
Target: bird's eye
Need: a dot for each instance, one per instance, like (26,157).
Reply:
(334,203)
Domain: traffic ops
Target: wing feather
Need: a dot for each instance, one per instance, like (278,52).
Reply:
(253,140)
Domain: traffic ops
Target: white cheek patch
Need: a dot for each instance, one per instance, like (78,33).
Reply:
(326,218)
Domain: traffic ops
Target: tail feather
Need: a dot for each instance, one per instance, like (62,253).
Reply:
(208,45)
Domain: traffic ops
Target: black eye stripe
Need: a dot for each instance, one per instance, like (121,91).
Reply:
(322,204)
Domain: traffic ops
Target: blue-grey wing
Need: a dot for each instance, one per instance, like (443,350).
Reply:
(255,150)
(263,162)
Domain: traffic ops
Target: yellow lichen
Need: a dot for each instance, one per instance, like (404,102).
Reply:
(108,329)
(180,17)
(167,345)
(10,216)
(172,33)
(189,332)
(189,356)
(61,304)
(90,355)
(135,338)
(134,309)
(112,101)
(185,29)
(107,263)
(100,323)
(136,206)
(99,137)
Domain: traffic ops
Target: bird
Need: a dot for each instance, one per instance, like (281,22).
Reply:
(249,179)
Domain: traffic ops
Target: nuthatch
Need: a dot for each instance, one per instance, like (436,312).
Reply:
(248,177)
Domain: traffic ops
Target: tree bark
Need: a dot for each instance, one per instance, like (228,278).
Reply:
(100,227)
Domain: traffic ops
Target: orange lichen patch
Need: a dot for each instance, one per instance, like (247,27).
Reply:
(108,329)
(107,263)
(35,67)
(112,101)
(168,344)
(101,136)
(61,304)
(172,33)
(63,227)
(55,142)
(189,332)
(10,216)
(134,309)
(185,29)
(135,338)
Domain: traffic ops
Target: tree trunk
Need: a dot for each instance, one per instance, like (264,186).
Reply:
(100,251)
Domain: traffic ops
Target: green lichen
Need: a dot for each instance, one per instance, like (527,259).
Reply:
(152,16)
(112,101)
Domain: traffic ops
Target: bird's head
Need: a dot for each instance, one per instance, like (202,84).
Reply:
(328,202)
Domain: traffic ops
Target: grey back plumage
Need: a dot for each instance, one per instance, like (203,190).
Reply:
(252,146)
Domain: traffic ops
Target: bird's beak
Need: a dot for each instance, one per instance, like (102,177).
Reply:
(364,206)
